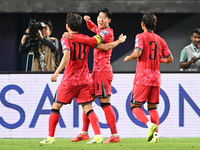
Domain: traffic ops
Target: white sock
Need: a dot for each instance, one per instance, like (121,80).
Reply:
(98,135)
(155,133)
(148,124)
(84,132)
(115,135)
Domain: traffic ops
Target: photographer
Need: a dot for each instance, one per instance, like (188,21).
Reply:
(45,48)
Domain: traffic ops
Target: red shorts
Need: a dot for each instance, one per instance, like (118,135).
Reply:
(66,93)
(92,91)
(102,83)
(141,94)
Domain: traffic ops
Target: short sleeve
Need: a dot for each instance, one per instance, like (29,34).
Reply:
(65,44)
(166,52)
(183,57)
(138,42)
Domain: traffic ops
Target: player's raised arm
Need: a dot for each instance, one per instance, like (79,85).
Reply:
(87,18)
(91,26)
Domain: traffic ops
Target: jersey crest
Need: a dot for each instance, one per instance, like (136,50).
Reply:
(103,33)
(63,44)
(136,42)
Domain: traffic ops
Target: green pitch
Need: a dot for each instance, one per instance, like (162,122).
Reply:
(125,144)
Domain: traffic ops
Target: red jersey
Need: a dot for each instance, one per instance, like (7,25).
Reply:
(153,47)
(102,58)
(76,71)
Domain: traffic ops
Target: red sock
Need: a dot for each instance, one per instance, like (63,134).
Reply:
(154,117)
(86,122)
(53,120)
(110,118)
(140,115)
(94,122)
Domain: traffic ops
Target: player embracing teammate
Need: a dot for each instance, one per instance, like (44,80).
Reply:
(149,50)
(76,81)
(102,75)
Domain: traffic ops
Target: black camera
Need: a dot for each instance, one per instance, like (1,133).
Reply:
(33,27)
(33,33)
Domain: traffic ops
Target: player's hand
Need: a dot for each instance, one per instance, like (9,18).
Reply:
(126,59)
(67,35)
(87,18)
(122,38)
(54,77)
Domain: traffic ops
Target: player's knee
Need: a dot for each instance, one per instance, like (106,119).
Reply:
(134,107)
(105,104)
(151,106)
(90,111)
(149,109)
(56,105)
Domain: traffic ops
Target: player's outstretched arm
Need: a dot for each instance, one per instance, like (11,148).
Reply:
(111,45)
(91,41)
(63,63)
(136,53)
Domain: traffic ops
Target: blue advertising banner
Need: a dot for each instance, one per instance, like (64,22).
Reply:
(26,99)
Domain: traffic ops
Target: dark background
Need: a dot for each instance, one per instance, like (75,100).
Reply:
(176,19)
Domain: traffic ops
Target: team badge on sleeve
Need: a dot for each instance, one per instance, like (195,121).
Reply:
(63,44)
(136,42)
(103,33)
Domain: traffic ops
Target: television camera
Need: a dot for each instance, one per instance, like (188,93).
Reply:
(33,34)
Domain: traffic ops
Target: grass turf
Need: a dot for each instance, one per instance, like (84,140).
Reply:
(125,144)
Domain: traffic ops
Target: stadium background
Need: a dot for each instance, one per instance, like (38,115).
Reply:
(176,19)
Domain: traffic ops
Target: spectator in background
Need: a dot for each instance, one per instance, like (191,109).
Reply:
(46,49)
(190,55)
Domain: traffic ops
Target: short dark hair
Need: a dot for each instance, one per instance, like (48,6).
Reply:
(74,21)
(149,20)
(196,30)
(108,12)
(49,23)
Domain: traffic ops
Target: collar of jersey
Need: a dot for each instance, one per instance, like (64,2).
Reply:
(192,45)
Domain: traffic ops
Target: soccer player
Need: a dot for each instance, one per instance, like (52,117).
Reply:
(102,75)
(148,50)
(75,80)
